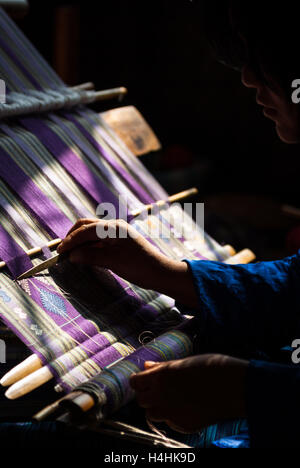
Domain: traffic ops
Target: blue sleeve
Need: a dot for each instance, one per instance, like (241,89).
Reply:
(273,410)
(255,306)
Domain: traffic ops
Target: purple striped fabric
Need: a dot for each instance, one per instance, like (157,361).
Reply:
(82,330)
(92,185)
(133,164)
(143,196)
(73,200)
(16,259)
(47,214)
(108,175)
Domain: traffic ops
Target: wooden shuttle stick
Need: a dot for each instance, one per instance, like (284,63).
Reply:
(84,86)
(36,250)
(110,93)
(172,199)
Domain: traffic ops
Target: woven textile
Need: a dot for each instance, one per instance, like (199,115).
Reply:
(56,167)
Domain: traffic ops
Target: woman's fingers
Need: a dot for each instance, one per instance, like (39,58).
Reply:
(80,222)
(85,233)
(145,379)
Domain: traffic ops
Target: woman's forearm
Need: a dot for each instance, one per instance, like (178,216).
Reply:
(176,280)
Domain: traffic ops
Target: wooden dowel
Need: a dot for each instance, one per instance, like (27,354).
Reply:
(244,256)
(31,364)
(110,94)
(182,195)
(36,250)
(172,199)
(84,86)
(29,383)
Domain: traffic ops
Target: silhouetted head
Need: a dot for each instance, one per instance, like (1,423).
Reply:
(262,40)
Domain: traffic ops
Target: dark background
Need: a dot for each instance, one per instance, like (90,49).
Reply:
(212,132)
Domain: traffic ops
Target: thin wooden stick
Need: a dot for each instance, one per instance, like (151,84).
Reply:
(36,250)
(84,86)
(110,94)
(172,199)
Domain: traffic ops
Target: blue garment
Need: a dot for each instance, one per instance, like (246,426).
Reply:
(254,310)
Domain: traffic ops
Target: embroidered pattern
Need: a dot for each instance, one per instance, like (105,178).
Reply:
(53,303)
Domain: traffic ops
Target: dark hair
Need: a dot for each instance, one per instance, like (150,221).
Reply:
(257,33)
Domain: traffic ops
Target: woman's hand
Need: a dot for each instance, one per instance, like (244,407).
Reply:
(192,393)
(130,255)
